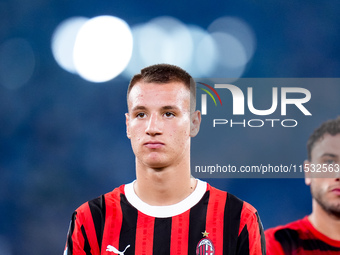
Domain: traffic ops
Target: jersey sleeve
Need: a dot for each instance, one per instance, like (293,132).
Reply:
(273,246)
(251,239)
(81,238)
(76,239)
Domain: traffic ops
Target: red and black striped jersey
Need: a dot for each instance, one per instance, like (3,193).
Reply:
(209,221)
(299,238)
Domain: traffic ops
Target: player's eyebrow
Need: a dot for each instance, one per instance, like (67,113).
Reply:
(166,107)
(329,155)
(170,107)
(138,108)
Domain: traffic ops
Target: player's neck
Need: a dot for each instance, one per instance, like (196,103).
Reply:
(164,187)
(325,223)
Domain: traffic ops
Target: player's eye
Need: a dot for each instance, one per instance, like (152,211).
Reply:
(329,161)
(169,114)
(140,115)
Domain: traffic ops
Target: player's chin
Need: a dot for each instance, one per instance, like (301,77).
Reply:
(157,163)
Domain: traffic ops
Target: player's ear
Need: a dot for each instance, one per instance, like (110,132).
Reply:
(127,118)
(195,123)
(306,169)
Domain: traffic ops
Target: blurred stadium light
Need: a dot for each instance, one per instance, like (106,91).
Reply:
(63,41)
(239,29)
(161,40)
(101,48)
(97,49)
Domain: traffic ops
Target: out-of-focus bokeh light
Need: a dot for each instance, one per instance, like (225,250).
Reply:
(161,40)
(236,44)
(136,62)
(205,53)
(152,43)
(103,48)
(177,44)
(237,28)
(17,63)
(223,50)
(63,41)
(231,52)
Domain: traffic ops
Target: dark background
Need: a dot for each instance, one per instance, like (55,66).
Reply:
(63,140)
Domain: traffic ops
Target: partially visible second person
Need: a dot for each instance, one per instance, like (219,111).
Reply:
(318,233)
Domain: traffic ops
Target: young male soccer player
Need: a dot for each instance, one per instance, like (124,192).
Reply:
(318,233)
(165,210)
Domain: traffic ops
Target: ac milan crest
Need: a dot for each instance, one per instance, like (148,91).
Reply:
(205,246)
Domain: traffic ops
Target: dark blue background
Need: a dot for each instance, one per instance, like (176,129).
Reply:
(63,140)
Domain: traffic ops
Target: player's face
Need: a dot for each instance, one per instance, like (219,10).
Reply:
(159,123)
(326,191)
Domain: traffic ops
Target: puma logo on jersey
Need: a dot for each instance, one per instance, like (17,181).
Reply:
(113,249)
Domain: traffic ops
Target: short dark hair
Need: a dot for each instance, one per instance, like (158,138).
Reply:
(331,127)
(164,73)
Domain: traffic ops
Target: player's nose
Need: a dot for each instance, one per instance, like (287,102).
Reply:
(154,126)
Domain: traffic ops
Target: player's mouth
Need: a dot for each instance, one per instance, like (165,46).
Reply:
(153,144)
(336,191)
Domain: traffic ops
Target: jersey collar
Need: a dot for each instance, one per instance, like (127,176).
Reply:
(168,210)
